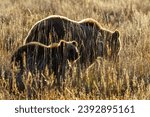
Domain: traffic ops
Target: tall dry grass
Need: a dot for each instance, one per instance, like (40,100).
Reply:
(129,79)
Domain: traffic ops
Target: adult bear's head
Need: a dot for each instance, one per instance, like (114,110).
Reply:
(105,42)
(111,43)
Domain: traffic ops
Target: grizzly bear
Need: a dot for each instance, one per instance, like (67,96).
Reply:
(35,56)
(92,38)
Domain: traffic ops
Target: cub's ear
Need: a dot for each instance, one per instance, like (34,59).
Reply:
(75,43)
(116,34)
(62,43)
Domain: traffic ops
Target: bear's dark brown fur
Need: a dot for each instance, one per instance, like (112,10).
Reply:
(92,38)
(35,56)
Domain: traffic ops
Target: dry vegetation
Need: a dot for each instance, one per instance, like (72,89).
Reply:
(129,79)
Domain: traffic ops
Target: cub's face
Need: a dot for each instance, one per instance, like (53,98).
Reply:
(72,51)
(69,50)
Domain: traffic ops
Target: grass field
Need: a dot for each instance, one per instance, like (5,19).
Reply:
(129,79)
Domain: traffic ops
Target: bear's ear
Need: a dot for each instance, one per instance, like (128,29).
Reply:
(116,34)
(75,43)
(62,43)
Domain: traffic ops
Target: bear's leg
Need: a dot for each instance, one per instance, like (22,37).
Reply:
(10,85)
(19,82)
(58,80)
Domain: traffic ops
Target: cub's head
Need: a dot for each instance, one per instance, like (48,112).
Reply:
(70,50)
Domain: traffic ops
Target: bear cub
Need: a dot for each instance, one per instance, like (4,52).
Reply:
(35,56)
